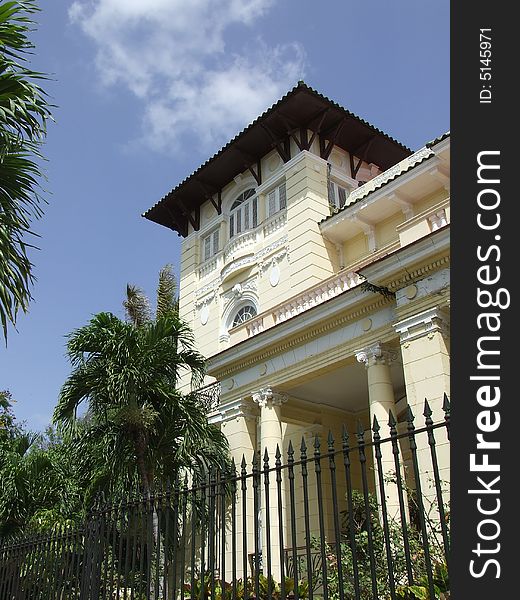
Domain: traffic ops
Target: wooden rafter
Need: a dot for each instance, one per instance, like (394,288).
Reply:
(257,174)
(209,193)
(364,147)
(192,216)
(181,224)
(249,161)
(291,130)
(326,147)
(281,144)
(316,130)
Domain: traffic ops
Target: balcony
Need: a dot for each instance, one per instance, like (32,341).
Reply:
(327,289)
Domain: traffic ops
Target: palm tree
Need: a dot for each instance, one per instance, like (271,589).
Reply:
(127,373)
(24,111)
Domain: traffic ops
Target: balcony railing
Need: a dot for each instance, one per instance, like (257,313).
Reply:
(210,395)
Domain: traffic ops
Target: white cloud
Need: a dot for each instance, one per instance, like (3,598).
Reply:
(173,55)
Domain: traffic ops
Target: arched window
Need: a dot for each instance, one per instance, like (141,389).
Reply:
(244,213)
(244,314)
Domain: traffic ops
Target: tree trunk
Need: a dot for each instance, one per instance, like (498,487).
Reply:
(140,443)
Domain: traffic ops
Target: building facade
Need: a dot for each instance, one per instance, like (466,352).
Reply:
(315,277)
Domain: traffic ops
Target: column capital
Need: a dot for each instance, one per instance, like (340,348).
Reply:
(425,323)
(376,354)
(267,396)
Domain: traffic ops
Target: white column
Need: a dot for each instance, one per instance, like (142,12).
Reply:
(271,438)
(239,426)
(377,360)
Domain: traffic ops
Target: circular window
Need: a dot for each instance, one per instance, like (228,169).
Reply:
(244,314)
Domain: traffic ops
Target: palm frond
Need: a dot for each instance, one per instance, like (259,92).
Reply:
(137,306)
(167,301)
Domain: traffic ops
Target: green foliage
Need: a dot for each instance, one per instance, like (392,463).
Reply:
(38,487)
(202,589)
(360,520)
(24,111)
(138,428)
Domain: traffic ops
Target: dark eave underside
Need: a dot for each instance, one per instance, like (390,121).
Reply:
(301,108)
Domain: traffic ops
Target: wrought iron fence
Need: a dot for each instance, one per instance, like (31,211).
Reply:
(363,517)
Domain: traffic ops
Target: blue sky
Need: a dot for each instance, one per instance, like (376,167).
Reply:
(147,91)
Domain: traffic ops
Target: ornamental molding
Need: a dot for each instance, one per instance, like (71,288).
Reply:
(376,354)
(237,264)
(265,397)
(207,289)
(240,290)
(272,261)
(426,323)
(413,275)
(309,334)
(236,409)
(282,241)
(206,300)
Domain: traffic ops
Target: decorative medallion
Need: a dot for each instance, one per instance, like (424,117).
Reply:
(274,274)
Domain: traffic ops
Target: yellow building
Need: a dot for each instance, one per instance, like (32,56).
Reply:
(315,277)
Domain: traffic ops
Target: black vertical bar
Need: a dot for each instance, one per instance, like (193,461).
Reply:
(61,560)
(211,530)
(290,467)
(136,529)
(256,483)
(317,468)
(53,578)
(447,411)
(363,462)
(32,572)
(438,488)
(402,507)
(304,473)
(278,466)
(120,569)
(80,553)
(203,538)
(106,544)
(175,518)
(127,545)
(335,513)
(157,541)
(243,480)
(12,570)
(267,525)
(183,542)
(194,515)
(233,530)
(4,556)
(223,481)
(167,508)
(150,508)
(142,545)
(420,504)
(384,510)
(115,516)
(16,569)
(350,507)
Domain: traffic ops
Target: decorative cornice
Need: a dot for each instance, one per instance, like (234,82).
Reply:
(413,275)
(376,354)
(425,323)
(267,396)
(236,409)
(308,334)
